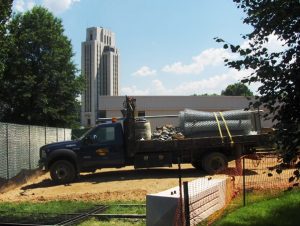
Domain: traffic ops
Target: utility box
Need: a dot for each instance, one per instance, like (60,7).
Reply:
(161,208)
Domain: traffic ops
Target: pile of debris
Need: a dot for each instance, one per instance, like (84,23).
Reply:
(167,132)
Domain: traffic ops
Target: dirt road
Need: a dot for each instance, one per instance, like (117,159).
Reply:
(107,184)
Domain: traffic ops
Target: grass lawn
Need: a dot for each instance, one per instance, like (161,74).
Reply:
(117,222)
(49,212)
(114,208)
(282,211)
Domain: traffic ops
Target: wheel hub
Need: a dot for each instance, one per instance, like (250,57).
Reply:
(217,164)
(61,173)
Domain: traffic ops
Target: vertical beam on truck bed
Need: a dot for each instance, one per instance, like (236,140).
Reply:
(129,124)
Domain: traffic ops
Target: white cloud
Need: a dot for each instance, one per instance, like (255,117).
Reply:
(214,84)
(134,91)
(58,6)
(273,45)
(210,85)
(30,4)
(209,57)
(21,5)
(144,72)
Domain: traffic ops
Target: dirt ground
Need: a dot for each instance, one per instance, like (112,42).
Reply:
(103,185)
(128,184)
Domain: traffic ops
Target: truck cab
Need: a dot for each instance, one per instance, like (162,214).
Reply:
(100,147)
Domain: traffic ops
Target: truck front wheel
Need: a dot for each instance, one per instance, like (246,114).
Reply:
(62,172)
(214,162)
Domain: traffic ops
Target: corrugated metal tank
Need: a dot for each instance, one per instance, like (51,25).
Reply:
(142,129)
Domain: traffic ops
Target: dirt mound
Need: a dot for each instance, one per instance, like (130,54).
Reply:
(23,177)
(103,185)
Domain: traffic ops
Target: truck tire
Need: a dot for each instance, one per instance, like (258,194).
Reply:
(214,162)
(62,172)
(197,164)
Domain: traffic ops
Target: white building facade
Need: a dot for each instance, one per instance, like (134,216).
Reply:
(111,106)
(100,67)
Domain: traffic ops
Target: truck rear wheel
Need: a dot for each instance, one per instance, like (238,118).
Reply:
(62,172)
(214,162)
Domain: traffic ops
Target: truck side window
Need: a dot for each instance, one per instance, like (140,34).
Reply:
(104,134)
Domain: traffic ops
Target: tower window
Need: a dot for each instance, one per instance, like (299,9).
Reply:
(91,36)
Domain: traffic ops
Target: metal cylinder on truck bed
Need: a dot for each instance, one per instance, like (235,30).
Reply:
(201,124)
(142,129)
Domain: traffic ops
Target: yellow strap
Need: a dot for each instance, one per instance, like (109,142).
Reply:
(219,127)
(227,129)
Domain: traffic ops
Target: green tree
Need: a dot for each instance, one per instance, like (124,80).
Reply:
(237,89)
(277,71)
(5,13)
(40,85)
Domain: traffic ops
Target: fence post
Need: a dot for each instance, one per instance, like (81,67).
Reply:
(244,183)
(29,151)
(186,203)
(180,187)
(7,161)
(45,134)
(238,155)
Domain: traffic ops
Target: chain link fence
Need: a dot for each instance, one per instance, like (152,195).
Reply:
(19,146)
(206,198)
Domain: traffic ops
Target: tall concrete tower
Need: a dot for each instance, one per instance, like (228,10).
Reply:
(100,67)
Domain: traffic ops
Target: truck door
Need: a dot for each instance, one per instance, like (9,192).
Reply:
(103,147)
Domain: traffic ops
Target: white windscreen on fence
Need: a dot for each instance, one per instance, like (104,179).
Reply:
(68,134)
(3,152)
(37,139)
(205,196)
(20,144)
(61,134)
(18,149)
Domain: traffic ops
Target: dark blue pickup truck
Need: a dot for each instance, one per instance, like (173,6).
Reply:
(100,147)
(114,145)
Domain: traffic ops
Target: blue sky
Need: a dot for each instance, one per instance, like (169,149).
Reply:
(166,46)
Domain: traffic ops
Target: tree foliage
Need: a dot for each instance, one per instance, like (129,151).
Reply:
(277,71)
(39,85)
(5,12)
(237,89)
